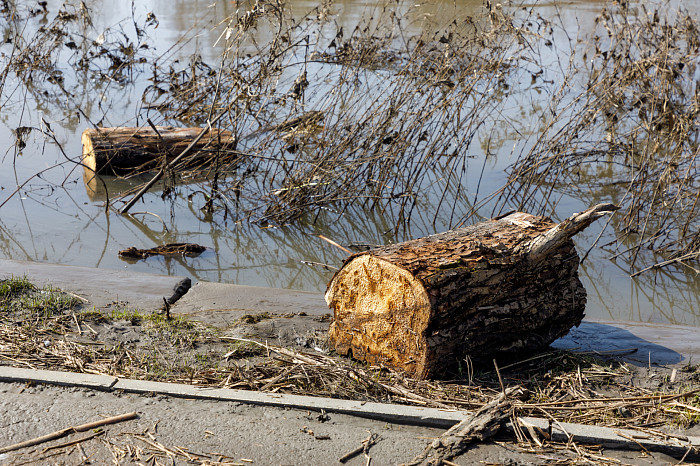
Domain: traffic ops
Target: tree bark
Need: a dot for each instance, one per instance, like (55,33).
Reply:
(506,285)
(121,149)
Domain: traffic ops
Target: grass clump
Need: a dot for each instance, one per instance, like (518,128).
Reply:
(19,298)
(13,285)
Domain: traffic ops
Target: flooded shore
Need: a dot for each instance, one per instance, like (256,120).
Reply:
(55,217)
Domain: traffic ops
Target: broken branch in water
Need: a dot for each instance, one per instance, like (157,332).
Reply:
(185,249)
(174,162)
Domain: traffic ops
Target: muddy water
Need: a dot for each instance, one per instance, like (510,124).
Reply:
(56,218)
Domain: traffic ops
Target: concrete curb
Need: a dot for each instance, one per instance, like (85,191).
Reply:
(68,379)
(397,414)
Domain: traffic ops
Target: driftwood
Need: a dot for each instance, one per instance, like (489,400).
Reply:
(119,149)
(506,285)
(183,249)
(481,425)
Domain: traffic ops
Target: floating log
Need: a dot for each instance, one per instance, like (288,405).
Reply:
(120,149)
(507,285)
(477,427)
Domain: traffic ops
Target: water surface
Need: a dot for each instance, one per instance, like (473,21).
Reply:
(56,218)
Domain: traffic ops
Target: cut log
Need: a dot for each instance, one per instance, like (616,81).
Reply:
(120,149)
(506,285)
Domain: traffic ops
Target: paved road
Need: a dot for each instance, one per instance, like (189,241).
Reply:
(207,429)
(171,428)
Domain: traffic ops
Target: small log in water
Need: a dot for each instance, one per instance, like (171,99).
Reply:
(121,149)
(502,286)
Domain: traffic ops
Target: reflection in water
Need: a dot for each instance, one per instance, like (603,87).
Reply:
(61,218)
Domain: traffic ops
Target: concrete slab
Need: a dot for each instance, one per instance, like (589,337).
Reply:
(101,287)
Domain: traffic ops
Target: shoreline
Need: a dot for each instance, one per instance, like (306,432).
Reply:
(640,343)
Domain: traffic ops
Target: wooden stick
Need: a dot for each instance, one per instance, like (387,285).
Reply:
(67,431)
(330,241)
(364,448)
(479,426)
(74,442)
(500,380)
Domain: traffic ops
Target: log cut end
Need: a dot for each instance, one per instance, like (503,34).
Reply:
(89,159)
(381,313)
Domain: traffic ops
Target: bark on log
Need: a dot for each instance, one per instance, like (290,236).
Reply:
(506,285)
(122,149)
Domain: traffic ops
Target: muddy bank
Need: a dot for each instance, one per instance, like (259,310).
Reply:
(275,341)
(290,314)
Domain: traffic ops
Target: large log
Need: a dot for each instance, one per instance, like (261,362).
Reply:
(506,285)
(122,149)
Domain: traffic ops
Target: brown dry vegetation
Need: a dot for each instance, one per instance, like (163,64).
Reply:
(44,329)
(376,119)
(624,126)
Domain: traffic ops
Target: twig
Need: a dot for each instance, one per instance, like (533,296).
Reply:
(68,431)
(165,227)
(75,319)
(364,448)
(319,264)
(500,380)
(76,296)
(166,308)
(330,241)
(478,426)
(74,442)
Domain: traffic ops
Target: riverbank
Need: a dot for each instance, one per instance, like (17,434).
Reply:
(271,341)
(219,304)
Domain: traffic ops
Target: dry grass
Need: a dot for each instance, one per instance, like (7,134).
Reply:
(328,119)
(566,386)
(561,386)
(624,126)
(375,120)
